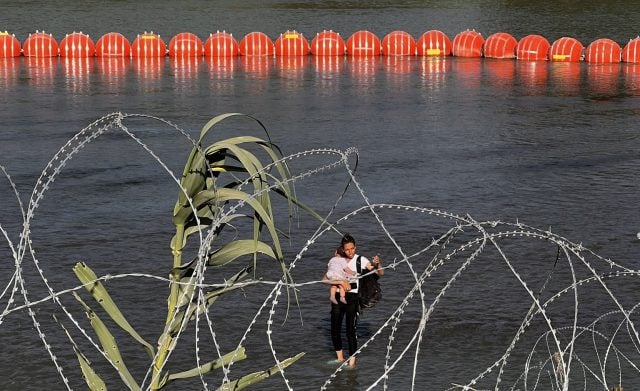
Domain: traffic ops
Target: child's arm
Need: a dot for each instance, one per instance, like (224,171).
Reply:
(349,271)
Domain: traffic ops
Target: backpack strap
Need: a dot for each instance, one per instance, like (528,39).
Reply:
(358,266)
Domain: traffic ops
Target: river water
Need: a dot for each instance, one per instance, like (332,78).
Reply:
(554,146)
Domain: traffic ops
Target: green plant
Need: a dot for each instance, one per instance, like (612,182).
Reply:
(212,197)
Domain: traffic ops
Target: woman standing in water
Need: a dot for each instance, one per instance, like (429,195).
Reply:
(350,308)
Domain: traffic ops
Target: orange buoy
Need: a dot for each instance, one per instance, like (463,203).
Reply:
(603,51)
(185,45)
(9,45)
(566,49)
(398,43)
(328,43)
(467,43)
(40,44)
(221,44)
(500,45)
(630,53)
(292,43)
(533,48)
(77,45)
(433,43)
(113,45)
(363,43)
(148,45)
(256,44)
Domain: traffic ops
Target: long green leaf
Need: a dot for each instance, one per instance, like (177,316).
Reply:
(238,248)
(94,381)
(109,345)
(90,281)
(256,377)
(235,356)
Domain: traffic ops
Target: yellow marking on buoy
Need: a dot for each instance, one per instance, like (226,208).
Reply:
(291,36)
(433,52)
(560,57)
(3,33)
(148,36)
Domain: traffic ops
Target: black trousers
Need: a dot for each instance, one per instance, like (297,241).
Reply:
(338,312)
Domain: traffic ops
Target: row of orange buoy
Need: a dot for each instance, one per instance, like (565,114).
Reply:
(468,43)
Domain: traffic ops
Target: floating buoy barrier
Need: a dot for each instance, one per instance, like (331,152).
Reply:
(148,45)
(398,43)
(221,44)
(77,45)
(500,45)
(603,51)
(9,45)
(113,45)
(566,49)
(631,51)
(185,45)
(533,48)
(292,43)
(328,43)
(363,43)
(467,43)
(40,44)
(256,44)
(433,43)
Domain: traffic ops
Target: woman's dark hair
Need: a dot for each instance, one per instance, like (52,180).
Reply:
(347,239)
(340,252)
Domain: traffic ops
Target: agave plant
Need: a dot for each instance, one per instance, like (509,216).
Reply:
(220,182)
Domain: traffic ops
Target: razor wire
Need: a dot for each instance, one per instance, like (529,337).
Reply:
(561,342)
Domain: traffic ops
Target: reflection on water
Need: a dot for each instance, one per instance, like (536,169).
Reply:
(9,70)
(533,76)
(631,73)
(149,71)
(113,72)
(221,67)
(77,73)
(501,73)
(363,72)
(603,79)
(41,71)
(256,67)
(468,70)
(433,72)
(565,77)
(291,70)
